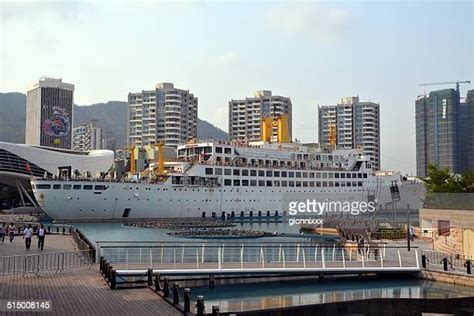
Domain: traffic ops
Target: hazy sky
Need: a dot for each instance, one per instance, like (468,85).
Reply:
(313,52)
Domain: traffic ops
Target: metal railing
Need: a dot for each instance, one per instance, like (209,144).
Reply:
(254,255)
(455,261)
(45,262)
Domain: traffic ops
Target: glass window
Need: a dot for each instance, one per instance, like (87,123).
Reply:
(56,186)
(253,183)
(236,183)
(283,174)
(261,173)
(276,183)
(284,183)
(269,173)
(253,173)
(348,175)
(208,170)
(76,187)
(100,187)
(227,172)
(269,183)
(261,183)
(336,183)
(218,171)
(305,184)
(318,184)
(245,172)
(227,150)
(291,183)
(43,186)
(236,172)
(365,175)
(348,184)
(311,184)
(305,174)
(318,175)
(67,187)
(325,184)
(227,182)
(298,174)
(291,174)
(343,175)
(219,150)
(311,175)
(245,183)
(298,184)
(359,183)
(276,173)
(325,175)
(87,187)
(336,175)
(359,175)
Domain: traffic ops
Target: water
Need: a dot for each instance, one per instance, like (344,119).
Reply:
(235,298)
(119,232)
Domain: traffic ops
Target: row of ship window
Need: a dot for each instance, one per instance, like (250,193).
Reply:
(70,186)
(298,184)
(284,174)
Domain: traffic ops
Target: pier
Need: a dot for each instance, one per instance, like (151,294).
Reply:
(254,258)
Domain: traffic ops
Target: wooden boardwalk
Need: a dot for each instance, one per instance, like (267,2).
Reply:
(52,243)
(82,291)
(75,291)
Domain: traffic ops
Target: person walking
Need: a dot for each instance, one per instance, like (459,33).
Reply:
(41,234)
(11,232)
(27,233)
(2,232)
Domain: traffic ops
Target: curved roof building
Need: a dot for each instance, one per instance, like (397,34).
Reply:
(23,162)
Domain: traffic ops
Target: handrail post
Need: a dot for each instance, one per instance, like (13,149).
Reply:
(219,258)
(399,258)
(304,259)
(343,258)
(161,257)
(182,254)
(315,252)
(197,259)
(284,261)
(279,254)
(333,251)
(151,260)
(381,259)
(242,257)
(126,259)
(298,252)
(202,253)
(417,260)
(262,256)
(363,263)
(174,259)
(322,258)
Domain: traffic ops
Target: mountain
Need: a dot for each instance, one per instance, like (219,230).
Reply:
(111,117)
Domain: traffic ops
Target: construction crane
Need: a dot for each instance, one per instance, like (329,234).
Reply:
(443,83)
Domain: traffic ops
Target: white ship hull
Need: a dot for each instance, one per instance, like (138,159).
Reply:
(137,200)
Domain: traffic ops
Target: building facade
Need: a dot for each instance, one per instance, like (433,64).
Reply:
(165,114)
(356,124)
(466,132)
(49,113)
(87,137)
(438,128)
(245,115)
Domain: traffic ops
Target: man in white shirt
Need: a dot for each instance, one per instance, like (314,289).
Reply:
(41,234)
(27,233)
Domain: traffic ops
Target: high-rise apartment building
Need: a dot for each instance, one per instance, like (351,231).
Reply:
(245,115)
(49,113)
(356,124)
(87,137)
(165,114)
(438,127)
(466,133)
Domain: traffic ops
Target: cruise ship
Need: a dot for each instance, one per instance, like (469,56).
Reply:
(220,178)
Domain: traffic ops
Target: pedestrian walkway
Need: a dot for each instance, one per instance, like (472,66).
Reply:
(83,291)
(52,243)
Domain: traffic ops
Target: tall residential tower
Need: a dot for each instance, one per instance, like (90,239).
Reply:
(87,137)
(357,125)
(245,115)
(165,114)
(49,113)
